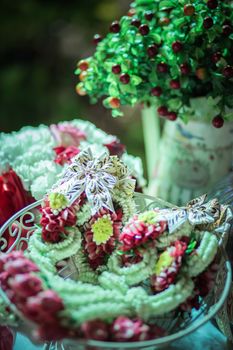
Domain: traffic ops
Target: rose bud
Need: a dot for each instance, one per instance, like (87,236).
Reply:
(25,285)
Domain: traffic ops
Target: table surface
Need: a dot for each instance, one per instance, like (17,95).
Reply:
(205,338)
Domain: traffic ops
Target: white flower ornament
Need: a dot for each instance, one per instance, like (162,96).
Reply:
(94,176)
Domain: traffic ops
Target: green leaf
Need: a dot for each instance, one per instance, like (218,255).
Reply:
(180,22)
(156,37)
(113,90)
(166,4)
(129,88)
(117,113)
(135,80)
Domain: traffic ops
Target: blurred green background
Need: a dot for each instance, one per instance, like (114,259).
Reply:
(41,42)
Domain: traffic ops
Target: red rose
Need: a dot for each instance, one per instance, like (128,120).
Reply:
(115,148)
(65,154)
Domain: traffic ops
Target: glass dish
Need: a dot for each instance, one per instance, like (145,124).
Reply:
(177,326)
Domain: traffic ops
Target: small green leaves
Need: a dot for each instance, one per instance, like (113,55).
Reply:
(152,59)
(166,4)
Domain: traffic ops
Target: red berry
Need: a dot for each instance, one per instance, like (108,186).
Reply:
(189,10)
(156,91)
(116,69)
(152,50)
(172,116)
(114,102)
(115,27)
(227,29)
(175,84)
(208,22)
(218,121)
(83,65)
(162,111)
(162,67)
(144,29)
(177,46)
(216,57)
(97,38)
(82,75)
(228,72)
(201,73)
(149,15)
(125,78)
(212,4)
(135,22)
(164,21)
(131,12)
(184,68)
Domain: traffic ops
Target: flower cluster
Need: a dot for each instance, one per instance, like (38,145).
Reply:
(54,225)
(32,159)
(119,292)
(101,235)
(21,283)
(122,329)
(164,53)
(141,229)
(168,266)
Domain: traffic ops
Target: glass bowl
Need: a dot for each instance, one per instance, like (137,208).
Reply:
(22,225)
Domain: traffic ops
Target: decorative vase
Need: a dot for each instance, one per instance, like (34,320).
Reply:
(190,158)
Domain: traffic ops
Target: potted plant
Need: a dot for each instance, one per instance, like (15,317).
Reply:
(176,57)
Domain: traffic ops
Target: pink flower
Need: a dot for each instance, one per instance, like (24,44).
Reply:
(67,134)
(168,274)
(43,307)
(4,258)
(65,154)
(96,329)
(53,226)
(20,266)
(125,329)
(115,148)
(25,285)
(137,233)
(97,253)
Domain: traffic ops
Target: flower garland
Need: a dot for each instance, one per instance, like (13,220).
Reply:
(117,296)
(32,159)
(38,154)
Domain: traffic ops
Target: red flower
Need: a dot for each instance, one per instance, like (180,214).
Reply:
(115,148)
(25,285)
(43,307)
(6,338)
(53,332)
(13,198)
(168,274)
(97,252)
(96,329)
(53,226)
(125,329)
(20,266)
(65,154)
(137,233)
